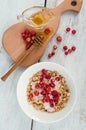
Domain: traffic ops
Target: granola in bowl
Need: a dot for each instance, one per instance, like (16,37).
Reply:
(48,91)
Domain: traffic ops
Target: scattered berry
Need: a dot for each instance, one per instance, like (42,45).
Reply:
(65,48)
(53,53)
(68,29)
(74,31)
(55,47)
(69,50)
(66,53)
(49,55)
(59,38)
(73,48)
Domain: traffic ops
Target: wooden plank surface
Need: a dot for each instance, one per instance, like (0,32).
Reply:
(11,116)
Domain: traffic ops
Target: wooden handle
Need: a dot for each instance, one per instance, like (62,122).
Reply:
(74,5)
(18,62)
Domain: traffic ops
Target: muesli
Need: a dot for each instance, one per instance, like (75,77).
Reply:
(48,91)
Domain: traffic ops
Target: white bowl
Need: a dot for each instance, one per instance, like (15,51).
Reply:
(28,109)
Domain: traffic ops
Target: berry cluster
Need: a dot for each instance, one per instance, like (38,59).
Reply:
(47,89)
(29,37)
(70,50)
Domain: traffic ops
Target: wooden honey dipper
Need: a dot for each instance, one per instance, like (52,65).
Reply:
(38,41)
(14,44)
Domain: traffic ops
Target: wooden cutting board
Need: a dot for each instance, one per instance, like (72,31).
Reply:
(15,45)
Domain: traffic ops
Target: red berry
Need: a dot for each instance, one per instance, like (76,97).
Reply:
(33,33)
(48,76)
(26,36)
(65,48)
(36,93)
(73,48)
(53,53)
(43,100)
(59,38)
(23,34)
(54,93)
(30,96)
(47,31)
(66,53)
(55,99)
(52,80)
(68,29)
(28,39)
(69,50)
(47,98)
(41,79)
(57,78)
(55,47)
(44,71)
(31,41)
(48,89)
(74,31)
(32,38)
(43,85)
(37,86)
(49,55)
(27,31)
(43,92)
(52,85)
(51,101)
(51,104)
(28,46)
(59,94)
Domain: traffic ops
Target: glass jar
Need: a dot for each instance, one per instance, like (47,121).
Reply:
(37,16)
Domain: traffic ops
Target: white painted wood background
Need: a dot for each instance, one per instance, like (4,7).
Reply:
(11,115)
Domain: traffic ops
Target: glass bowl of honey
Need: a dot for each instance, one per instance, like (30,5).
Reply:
(37,16)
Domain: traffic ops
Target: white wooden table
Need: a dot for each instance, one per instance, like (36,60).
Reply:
(11,115)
